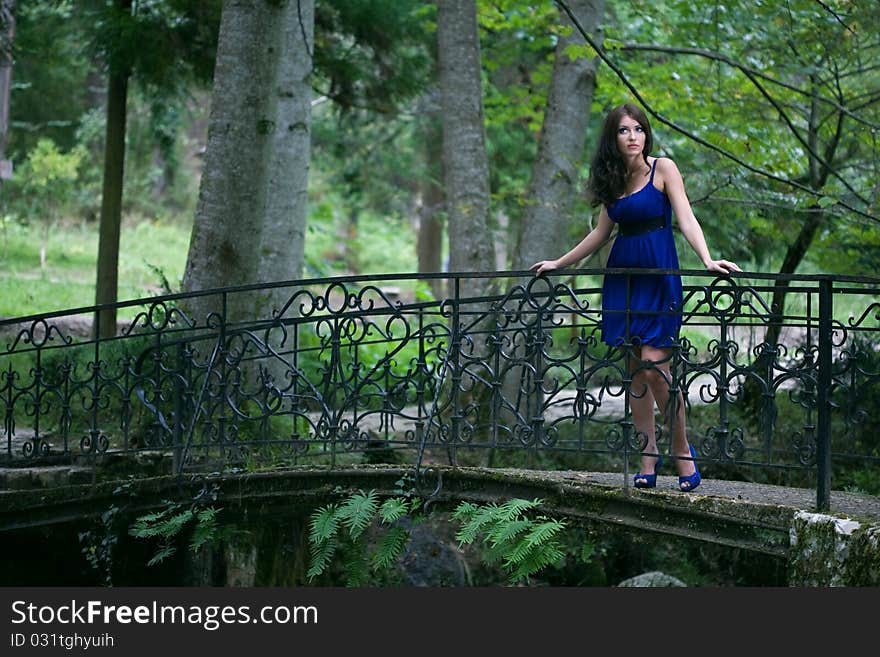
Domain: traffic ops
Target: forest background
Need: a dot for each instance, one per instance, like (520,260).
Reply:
(420,136)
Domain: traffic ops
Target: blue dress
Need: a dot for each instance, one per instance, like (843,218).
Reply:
(642,309)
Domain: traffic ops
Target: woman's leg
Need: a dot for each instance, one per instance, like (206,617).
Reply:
(658,378)
(641,403)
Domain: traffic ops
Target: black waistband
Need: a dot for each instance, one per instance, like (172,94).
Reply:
(632,228)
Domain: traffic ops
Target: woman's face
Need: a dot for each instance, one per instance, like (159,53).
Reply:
(630,137)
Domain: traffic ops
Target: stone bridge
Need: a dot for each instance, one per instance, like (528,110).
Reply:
(840,547)
(342,374)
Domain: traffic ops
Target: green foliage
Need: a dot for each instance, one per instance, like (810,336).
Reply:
(47,167)
(522,545)
(68,280)
(357,512)
(167,524)
(328,535)
(50,63)
(48,176)
(371,53)
(742,76)
(98,544)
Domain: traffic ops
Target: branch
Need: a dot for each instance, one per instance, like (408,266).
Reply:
(600,51)
(812,151)
(708,195)
(747,70)
(753,202)
(834,13)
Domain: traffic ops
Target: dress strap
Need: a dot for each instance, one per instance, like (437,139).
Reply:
(653,166)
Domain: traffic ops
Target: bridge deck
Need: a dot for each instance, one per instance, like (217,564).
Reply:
(862,506)
(752,517)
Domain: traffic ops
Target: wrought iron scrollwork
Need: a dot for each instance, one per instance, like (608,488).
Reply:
(344,366)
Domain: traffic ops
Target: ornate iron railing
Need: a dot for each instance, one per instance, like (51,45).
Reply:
(374,367)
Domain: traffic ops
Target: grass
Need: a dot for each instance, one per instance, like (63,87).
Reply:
(151,250)
(68,281)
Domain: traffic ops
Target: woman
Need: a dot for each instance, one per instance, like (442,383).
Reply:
(639,193)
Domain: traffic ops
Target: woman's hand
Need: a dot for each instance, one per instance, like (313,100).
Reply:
(722,266)
(544,266)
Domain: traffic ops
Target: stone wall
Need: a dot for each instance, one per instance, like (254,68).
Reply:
(832,551)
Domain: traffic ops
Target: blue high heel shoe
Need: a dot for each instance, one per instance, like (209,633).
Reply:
(650,480)
(687,484)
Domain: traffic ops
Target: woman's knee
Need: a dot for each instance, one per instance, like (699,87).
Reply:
(651,375)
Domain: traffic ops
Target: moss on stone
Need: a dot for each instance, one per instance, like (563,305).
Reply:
(831,551)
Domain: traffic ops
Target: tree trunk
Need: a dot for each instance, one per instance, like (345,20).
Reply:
(544,229)
(756,396)
(111,197)
(283,229)
(818,175)
(429,247)
(7,38)
(250,218)
(465,162)
(561,145)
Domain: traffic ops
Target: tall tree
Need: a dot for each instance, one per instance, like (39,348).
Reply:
(111,195)
(429,243)
(159,45)
(561,143)
(250,219)
(7,38)
(465,163)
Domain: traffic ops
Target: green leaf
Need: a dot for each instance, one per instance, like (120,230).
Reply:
(206,528)
(320,558)
(516,507)
(579,51)
(357,570)
(392,509)
(507,532)
(324,524)
(164,552)
(827,201)
(390,547)
(358,511)
(481,517)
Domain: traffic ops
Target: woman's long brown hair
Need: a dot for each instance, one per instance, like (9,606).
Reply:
(607,180)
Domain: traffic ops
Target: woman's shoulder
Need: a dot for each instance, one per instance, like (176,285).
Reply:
(664,164)
(666,172)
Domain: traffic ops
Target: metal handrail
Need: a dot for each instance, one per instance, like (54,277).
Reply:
(346,366)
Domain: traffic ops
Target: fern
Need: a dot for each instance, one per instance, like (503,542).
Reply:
(523,545)
(514,508)
(544,532)
(324,524)
(356,514)
(390,548)
(534,544)
(175,523)
(476,521)
(206,529)
(357,566)
(321,557)
(548,555)
(464,511)
(169,522)
(393,509)
(162,553)
(358,511)
(506,532)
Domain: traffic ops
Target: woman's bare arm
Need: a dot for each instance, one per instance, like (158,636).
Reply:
(673,185)
(585,248)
